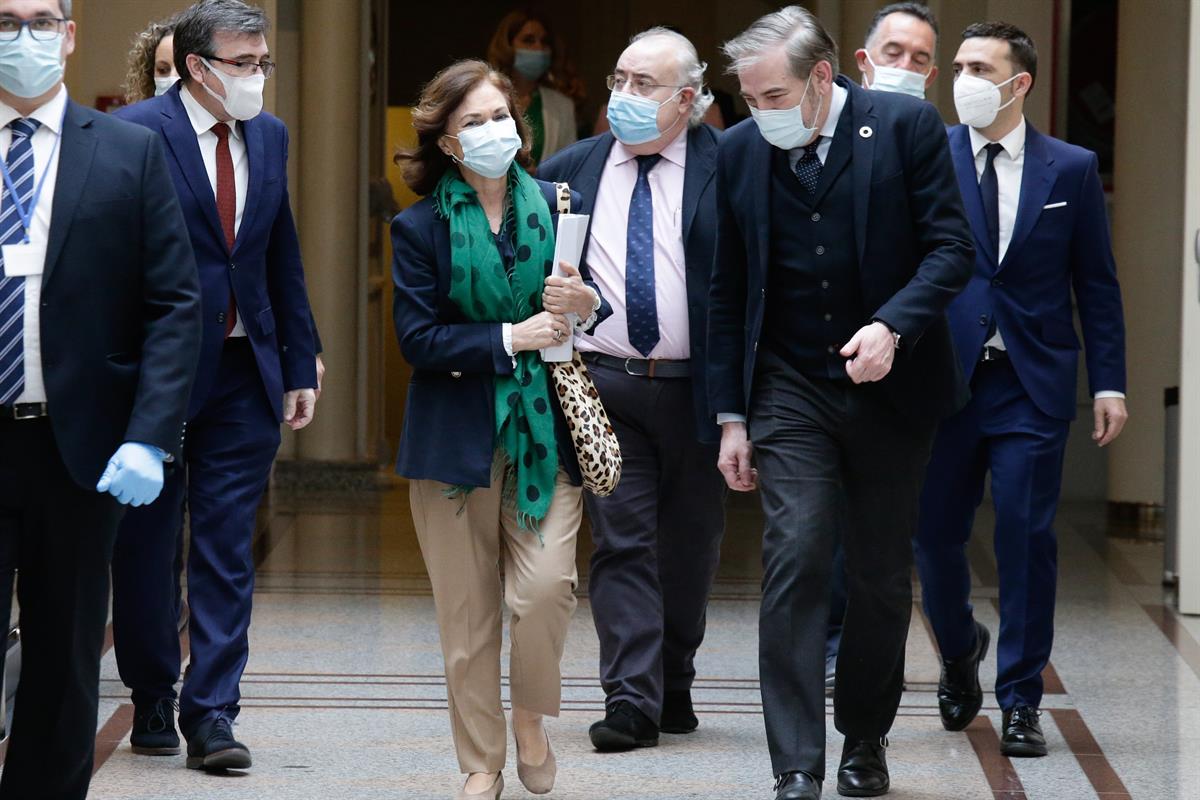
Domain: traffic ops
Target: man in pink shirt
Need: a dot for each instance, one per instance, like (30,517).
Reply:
(648,185)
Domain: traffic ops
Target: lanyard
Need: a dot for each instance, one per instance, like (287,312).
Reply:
(26,214)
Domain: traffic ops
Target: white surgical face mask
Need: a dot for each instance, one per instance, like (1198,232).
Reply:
(489,149)
(243,98)
(894,79)
(977,100)
(785,128)
(163,85)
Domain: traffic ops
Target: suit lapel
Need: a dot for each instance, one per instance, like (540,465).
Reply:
(698,172)
(256,155)
(1037,179)
(590,170)
(181,141)
(862,158)
(968,187)
(76,152)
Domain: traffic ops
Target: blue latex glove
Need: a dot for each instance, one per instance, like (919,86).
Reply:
(134,474)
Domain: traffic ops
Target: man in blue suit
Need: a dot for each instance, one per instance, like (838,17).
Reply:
(1036,207)
(257,369)
(841,239)
(649,187)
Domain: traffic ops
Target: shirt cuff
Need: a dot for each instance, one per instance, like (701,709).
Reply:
(1105,395)
(723,418)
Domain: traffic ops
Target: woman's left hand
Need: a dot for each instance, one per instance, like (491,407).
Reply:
(568,294)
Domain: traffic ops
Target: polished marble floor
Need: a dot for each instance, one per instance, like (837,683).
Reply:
(344,697)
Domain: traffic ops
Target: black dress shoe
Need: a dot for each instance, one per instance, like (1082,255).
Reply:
(212,747)
(154,729)
(624,727)
(959,694)
(797,786)
(677,713)
(1022,736)
(864,771)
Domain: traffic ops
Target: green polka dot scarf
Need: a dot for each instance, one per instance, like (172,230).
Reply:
(480,286)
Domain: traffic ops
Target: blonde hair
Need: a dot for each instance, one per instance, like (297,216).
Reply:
(139,78)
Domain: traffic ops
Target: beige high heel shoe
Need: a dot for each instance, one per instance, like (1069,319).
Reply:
(490,793)
(538,779)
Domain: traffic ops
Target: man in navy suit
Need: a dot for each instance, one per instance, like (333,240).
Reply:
(1037,211)
(841,239)
(257,369)
(648,185)
(99,336)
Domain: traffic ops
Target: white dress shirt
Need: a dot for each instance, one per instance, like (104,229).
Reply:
(837,102)
(1009,163)
(50,115)
(203,122)
(607,252)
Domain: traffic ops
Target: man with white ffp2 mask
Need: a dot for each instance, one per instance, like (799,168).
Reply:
(898,55)
(257,370)
(1037,212)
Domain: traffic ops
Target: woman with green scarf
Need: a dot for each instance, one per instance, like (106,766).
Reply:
(492,472)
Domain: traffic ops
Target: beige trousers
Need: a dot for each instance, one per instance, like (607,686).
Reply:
(462,553)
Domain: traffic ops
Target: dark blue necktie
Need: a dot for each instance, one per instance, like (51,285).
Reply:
(12,290)
(808,168)
(989,192)
(641,308)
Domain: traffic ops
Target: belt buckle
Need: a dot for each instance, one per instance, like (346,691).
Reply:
(26,411)
(628,371)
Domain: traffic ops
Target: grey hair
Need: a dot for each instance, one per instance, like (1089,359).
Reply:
(65,7)
(198,25)
(691,69)
(806,40)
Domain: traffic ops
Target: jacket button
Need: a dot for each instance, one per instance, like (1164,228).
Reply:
(232,265)
(455,374)
(824,284)
(820,249)
(829,317)
(816,217)
(756,347)
(221,317)
(983,320)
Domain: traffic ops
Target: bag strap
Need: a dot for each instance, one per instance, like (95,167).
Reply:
(564,197)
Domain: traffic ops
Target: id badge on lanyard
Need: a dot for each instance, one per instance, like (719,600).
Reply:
(27,259)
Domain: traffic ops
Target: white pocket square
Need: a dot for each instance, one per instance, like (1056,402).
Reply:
(1054,205)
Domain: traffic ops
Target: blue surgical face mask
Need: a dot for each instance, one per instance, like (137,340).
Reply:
(785,128)
(634,120)
(532,64)
(28,67)
(489,149)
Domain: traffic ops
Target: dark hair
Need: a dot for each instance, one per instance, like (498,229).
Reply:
(425,164)
(1021,50)
(918,10)
(198,25)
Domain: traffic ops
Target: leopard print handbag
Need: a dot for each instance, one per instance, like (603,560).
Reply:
(595,442)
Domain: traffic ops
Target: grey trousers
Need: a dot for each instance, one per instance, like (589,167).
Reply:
(658,541)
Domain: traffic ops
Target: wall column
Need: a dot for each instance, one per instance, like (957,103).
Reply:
(327,156)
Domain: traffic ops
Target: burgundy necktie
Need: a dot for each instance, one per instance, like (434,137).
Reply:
(226,207)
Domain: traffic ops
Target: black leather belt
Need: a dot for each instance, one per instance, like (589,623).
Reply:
(993,354)
(22,411)
(643,367)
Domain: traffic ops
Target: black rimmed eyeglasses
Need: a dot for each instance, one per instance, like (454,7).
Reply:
(244,69)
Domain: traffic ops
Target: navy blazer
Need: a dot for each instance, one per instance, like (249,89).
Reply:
(120,310)
(582,165)
(913,243)
(449,428)
(264,269)
(1060,239)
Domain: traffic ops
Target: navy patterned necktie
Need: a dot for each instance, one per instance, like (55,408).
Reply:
(641,307)
(989,193)
(808,168)
(12,290)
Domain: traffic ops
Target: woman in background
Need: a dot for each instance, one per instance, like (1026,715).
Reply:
(525,49)
(151,63)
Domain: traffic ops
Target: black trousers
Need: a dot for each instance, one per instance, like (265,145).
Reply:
(658,540)
(832,456)
(60,537)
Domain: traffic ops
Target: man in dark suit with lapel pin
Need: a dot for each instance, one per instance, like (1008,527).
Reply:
(1036,207)
(99,336)
(841,239)
(648,185)
(257,369)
